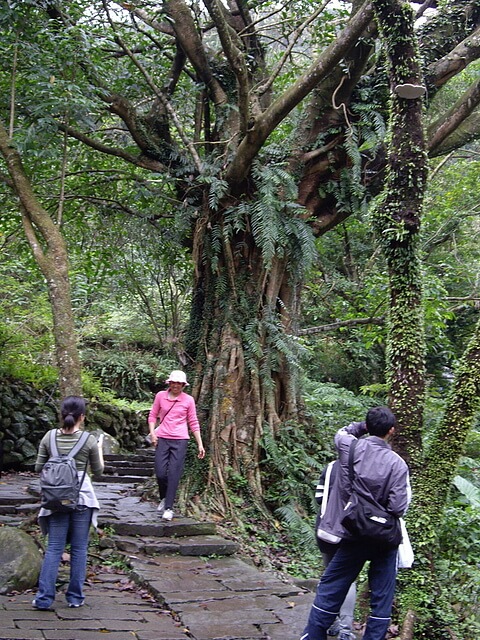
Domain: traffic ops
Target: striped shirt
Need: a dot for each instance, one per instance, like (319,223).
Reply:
(89,453)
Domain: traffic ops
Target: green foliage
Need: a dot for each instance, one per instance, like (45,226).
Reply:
(291,465)
(294,459)
(26,344)
(128,373)
(330,407)
(457,564)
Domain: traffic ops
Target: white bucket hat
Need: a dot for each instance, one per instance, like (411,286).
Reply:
(177,376)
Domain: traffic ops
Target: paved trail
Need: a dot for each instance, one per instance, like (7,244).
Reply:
(184,593)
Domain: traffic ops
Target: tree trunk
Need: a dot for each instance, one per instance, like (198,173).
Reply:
(397,218)
(244,382)
(50,254)
(431,486)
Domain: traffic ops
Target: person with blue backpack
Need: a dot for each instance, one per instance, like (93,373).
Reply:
(67,520)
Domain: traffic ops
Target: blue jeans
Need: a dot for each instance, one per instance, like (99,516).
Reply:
(335,583)
(63,528)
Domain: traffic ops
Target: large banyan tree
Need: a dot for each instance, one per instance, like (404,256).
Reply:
(254,127)
(250,128)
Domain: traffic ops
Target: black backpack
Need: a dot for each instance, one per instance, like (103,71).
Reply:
(59,482)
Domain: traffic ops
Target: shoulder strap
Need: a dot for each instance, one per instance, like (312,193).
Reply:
(80,442)
(74,450)
(53,443)
(326,488)
(167,412)
(351,451)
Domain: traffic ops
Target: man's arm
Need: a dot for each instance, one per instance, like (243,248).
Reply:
(400,492)
(346,435)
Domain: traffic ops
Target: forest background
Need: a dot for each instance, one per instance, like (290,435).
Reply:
(280,198)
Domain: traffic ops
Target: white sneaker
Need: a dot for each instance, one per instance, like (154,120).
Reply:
(161,507)
(167,515)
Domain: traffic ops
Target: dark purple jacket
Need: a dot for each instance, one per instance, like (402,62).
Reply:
(380,473)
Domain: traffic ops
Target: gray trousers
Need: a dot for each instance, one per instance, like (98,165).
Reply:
(169,462)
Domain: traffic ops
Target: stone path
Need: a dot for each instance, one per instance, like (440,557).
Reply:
(185,591)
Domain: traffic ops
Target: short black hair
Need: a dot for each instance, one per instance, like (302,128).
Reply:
(379,421)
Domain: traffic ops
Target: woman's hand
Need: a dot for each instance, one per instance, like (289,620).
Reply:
(201,452)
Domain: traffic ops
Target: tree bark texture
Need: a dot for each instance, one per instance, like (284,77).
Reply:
(50,253)
(397,218)
(243,386)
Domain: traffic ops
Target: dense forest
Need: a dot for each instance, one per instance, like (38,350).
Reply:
(281,199)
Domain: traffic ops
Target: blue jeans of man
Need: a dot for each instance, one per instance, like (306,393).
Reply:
(63,528)
(169,461)
(335,583)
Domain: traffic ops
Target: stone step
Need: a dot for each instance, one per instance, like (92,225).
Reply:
(178,527)
(11,499)
(134,523)
(127,479)
(127,470)
(125,464)
(19,510)
(135,458)
(201,545)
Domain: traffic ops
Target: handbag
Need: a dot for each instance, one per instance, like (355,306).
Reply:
(367,520)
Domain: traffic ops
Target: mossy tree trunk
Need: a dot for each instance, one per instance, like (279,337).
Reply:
(50,252)
(397,219)
(421,597)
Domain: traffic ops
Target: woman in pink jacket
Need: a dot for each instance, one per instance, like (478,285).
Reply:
(171,417)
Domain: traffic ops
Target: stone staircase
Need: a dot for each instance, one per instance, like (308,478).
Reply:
(133,524)
(132,468)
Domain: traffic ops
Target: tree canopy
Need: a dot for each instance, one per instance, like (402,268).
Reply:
(247,134)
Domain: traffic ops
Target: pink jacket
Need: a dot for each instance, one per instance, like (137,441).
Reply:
(181,417)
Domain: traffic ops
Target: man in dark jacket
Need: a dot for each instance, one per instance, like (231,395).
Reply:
(380,474)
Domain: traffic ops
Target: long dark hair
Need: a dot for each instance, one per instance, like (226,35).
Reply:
(71,410)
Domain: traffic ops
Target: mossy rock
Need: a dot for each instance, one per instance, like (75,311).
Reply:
(20,560)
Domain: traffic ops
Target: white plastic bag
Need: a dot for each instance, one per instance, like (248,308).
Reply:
(405,550)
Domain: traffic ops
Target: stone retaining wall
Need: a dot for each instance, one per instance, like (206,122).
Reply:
(27,413)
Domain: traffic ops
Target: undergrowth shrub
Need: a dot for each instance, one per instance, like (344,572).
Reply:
(129,373)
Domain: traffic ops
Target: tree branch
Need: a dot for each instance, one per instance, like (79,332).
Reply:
(162,27)
(266,123)
(139,161)
(440,71)
(466,133)
(341,323)
(296,35)
(232,46)
(439,131)
(163,99)
(191,44)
